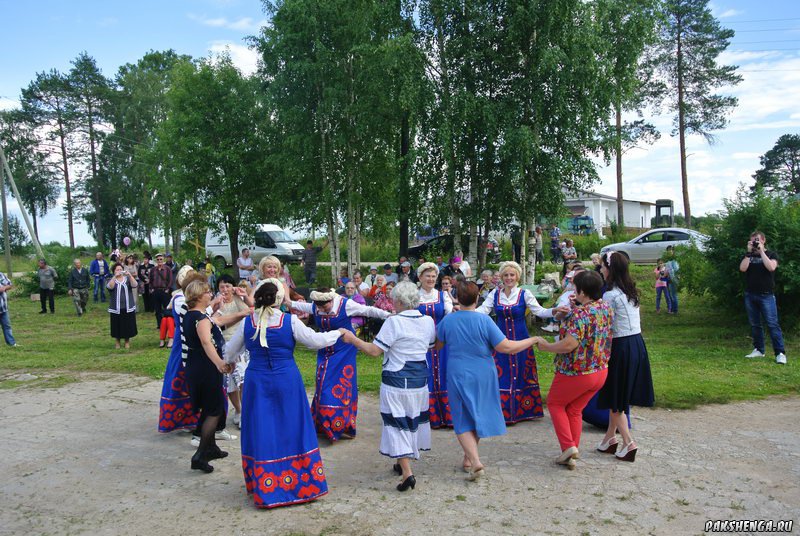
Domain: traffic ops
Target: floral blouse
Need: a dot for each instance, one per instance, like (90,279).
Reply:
(590,325)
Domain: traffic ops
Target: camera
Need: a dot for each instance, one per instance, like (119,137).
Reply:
(756,243)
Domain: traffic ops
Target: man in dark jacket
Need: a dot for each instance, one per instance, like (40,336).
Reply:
(78,285)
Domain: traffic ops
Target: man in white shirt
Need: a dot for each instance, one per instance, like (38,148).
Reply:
(245,265)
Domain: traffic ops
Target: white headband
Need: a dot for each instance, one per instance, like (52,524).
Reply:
(317,296)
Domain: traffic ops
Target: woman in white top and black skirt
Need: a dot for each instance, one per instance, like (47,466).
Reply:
(405,339)
(629,381)
(122,305)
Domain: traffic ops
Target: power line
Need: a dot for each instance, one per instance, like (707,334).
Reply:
(760,20)
(761,42)
(769,30)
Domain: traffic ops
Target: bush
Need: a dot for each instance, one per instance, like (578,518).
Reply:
(58,257)
(715,272)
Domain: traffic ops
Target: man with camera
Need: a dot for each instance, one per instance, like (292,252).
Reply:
(759,265)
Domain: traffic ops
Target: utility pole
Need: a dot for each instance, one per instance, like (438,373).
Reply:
(5,167)
(6,235)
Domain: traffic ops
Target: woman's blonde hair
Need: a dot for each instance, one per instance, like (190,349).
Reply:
(510,265)
(194,291)
(269,259)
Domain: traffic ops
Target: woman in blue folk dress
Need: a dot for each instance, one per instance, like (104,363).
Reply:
(280,453)
(519,379)
(335,403)
(175,409)
(435,304)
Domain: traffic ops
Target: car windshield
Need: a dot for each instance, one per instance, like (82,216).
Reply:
(280,236)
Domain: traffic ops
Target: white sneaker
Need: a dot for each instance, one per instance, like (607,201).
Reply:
(754,353)
(224,436)
(780,358)
(237,418)
(195,441)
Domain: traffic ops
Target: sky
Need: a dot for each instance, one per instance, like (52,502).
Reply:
(47,34)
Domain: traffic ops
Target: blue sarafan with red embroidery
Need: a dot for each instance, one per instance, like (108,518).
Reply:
(283,482)
(439,403)
(280,453)
(175,408)
(335,404)
(520,396)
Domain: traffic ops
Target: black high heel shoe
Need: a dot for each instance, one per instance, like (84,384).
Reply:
(201,464)
(397,469)
(409,482)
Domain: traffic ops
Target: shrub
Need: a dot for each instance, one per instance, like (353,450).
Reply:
(58,257)
(716,271)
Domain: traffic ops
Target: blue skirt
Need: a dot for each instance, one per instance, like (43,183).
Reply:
(175,409)
(280,454)
(335,404)
(475,398)
(629,381)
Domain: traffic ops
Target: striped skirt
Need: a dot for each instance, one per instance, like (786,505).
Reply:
(406,421)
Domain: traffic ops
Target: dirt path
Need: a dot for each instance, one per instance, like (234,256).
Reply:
(86,458)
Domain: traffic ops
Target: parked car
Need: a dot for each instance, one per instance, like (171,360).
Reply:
(268,240)
(650,246)
(443,245)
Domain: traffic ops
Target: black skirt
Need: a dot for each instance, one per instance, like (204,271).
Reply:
(629,381)
(123,325)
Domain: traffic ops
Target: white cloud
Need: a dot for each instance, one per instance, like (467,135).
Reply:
(244,24)
(729,13)
(243,57)
(8,104)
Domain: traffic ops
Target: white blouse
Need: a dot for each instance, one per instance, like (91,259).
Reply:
(405,337)
(626,315)
(512,299)
(353,308)
(433,297)
(303,334)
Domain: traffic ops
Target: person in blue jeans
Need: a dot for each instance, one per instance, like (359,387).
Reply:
(99,272)
(672,268)
(5,320)
(759,265)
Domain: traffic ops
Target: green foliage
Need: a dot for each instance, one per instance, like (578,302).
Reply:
(18,238)
(780,167)
(715,273)
(59,258)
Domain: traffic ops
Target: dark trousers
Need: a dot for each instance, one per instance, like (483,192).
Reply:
(311,274)
(45,295)
(160,302)
(147,299)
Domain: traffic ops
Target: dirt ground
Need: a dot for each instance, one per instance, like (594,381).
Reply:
(86,458)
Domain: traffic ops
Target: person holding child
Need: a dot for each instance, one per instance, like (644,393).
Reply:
(662,282)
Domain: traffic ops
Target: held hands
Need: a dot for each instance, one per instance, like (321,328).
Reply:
(347,335)
(224,368)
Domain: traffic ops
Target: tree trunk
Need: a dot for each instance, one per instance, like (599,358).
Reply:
(67,187)
(232,226)
(352,238)
(333,237)
(618,151)
(529,253)
(472,256)
(687,211)
(402,190)
(485,241)
(98,222)
(35,226)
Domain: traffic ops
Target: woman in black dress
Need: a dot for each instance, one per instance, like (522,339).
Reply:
(204,370)
(122,305)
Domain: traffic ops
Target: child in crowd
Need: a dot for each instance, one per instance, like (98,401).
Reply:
(662,280)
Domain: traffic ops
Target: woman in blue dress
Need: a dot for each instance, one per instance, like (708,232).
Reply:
(472,379)
(175,409)
(517,373)
(280,453)
(435,304)
(335,403)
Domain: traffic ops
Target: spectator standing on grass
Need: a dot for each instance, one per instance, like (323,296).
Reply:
(100,272)
(173,266)
(144,281)
(673,272)
(538,245)
(555,243)
(78,285)
(161,281)
(47,284)
(568,254)
(122,305)
(245,265)
(309,260)
(5,319)
(662,282)
(516,242)
(759,265)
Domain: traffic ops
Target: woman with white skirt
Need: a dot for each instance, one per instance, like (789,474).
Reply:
(404,339)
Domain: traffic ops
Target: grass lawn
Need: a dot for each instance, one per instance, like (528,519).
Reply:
(696,356)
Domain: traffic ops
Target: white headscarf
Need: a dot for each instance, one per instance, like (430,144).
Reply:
(263,314)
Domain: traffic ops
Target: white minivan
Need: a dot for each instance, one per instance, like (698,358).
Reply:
(268,240)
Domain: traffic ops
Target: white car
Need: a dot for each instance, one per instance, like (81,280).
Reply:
(268,240)
(650,246)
